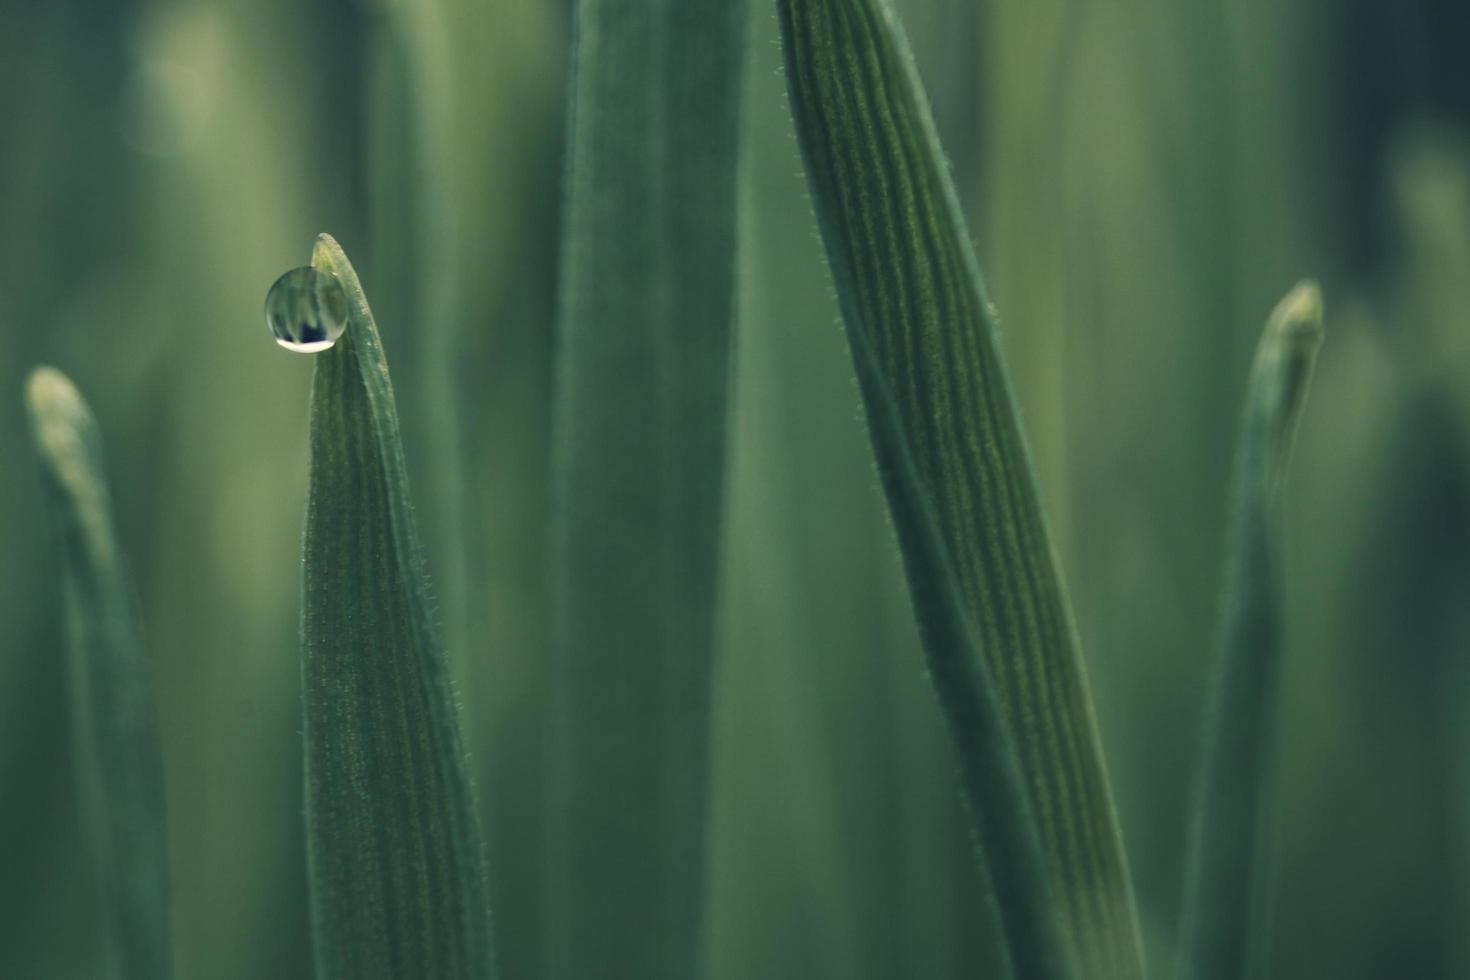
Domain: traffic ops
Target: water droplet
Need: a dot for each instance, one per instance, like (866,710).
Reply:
(306,310)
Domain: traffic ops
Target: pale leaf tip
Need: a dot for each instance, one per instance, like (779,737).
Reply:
(1287,354)
(59,419)
(68,445)
(326,254)
(49,392)
(1297,320)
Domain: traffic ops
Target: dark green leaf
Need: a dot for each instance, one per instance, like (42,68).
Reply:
(989,767)
(396,866)
(911,294)
(647,304)
(119,770)
(1227,891)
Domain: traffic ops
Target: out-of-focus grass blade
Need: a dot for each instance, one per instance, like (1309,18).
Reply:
(646,308)
(119,767)
(1226,893)
(911,292)
(397,873)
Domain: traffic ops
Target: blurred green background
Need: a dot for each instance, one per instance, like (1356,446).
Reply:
(1144,180)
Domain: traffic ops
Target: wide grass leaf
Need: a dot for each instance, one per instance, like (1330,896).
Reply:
(397,876)
(912,298)
(647,298)
(1227,890)
(118,765)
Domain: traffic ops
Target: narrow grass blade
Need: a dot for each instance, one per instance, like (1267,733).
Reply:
(989,767)
(397,873)
(910,291)
(646,309)
(119,768)
(1226,892)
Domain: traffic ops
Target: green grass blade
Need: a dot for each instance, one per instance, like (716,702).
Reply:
(1226,892)
(119,767)
(397,873)
(989,767)
(910,290)
(646,308)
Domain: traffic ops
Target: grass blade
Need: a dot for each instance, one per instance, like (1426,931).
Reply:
(911,293)
(396,866)
(989,767)
(646,308)
(1226,891)
(119,767)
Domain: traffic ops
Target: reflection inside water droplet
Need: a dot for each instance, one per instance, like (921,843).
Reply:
(306,310)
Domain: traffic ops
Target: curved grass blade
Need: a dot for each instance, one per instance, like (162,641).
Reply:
(1226,892)
(397,874)
(910,290)
(647,303)
(119,767)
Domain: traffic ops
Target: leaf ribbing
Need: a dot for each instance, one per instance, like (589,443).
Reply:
(989,767)
(910,290)
(396,865)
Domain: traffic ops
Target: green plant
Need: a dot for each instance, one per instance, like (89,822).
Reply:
(397,879)
(1227,898)
(959,482)
(914,307)
(647,302)
(118,770)
(396,866)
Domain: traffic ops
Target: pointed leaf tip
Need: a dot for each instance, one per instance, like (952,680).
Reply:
(1224,929)
(395,859)
(1282,370)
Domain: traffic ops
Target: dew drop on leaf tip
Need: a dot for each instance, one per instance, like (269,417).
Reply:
(306,310)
